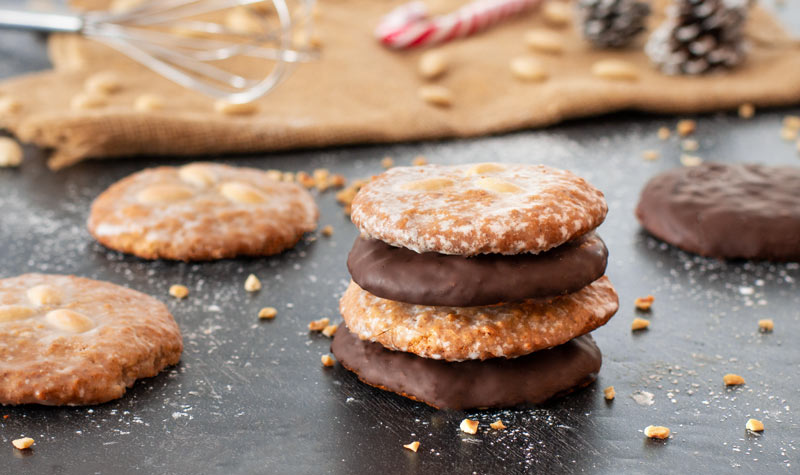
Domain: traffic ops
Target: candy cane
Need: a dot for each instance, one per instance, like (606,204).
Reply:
(408,25)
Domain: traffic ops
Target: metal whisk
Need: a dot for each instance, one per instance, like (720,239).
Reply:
(175,39)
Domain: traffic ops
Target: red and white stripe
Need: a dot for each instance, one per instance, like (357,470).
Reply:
(409,26)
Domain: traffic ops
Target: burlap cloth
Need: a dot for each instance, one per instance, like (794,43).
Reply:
(359,92)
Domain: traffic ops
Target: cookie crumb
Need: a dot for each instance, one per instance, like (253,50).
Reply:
(439,96)
(766,325)
(469,426)
(413,446)
(651,155)
(10,152)
(497,425)
(639,324)
(267,313)
(337,181)
(327,361)
(432,64)
(690,145)
(419,161)
(179,291)
(288,177)
(644,303)
(27,442)
(791,122)
(609,393)
(387,162)
(664,133)
(691,160)
(789,134)
(747,111)
(318,325)
(330,330)
(731,379)
(327,231)
(686,127)
(252,284)
(754,425)
(305,179)
(656,432)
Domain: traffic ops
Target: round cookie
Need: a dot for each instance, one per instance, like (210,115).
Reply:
(201,211)
(726,211)
(396,273)
(497,382)
(65,340)
(458,333)
(486,208)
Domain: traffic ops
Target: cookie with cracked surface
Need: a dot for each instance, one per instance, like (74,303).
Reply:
(201,211)
(747,211)
(497,382)
(485,208)
(470,333)
(66,340)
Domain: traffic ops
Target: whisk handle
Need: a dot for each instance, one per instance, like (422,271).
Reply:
(40,21)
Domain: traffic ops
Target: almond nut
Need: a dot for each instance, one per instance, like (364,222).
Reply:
(69,320)
(432,64)
(469,426)
(615,69)
(429,184)
(527,69)
(163,194)
(230,108)
(436,95)
(197,174)
(656,432)
(10,313)
(44,295)
(106,82)
(242,193)
(500,186)
(544,41)
(9,106)
(557,13)
(483,168)
(10,152)
(85,101)
(148,103)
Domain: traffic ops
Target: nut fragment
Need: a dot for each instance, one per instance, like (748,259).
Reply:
(252,284)
(544,41)
(686,127)
(500,186)
(276,175)
(327,361)
(413,446)
(105,82)
(469,426)
(656,432)
(754,425)
(327,231)
(268,313)
(148,102)
(747,111)
(526,68)
(438,96)
(10,313)
(387,162)
(10,152)
(337,180)
(432,64)
(23,443)
(651,155)
(766,325)
(609,393)
(691,160)
(664,133)
(44,295)
(305,179)
(731,379)
(321,176)
(242,193)
(789,134)
(9,106)
(615,69)
(644,303)
(230,108)
(639,324)
(86,101)
(69,320)
(428,184)
(196,174)
(318,325)
(690,145)
(330,330)
(497,425)
(419,161)
(163,194)
(483,168)
(557,14)
(791,122)
(179,291)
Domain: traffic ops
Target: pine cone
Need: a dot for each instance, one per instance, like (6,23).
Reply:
(700,36)
(612,23)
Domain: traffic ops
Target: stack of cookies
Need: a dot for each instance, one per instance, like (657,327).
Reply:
(476,285)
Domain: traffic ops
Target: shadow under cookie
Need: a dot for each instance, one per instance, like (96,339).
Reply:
(496,382)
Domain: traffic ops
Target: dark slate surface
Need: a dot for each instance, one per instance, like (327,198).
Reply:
(252,397)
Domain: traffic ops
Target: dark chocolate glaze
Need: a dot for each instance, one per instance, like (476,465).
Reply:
(429,278)
(726,211)
(497,382)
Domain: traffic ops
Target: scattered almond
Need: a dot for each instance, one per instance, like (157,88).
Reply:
(656,432)
(231,108)
(766,325)
(9,106)
(419,161)
(544,41)
(639,324)
(387,162)
(23,443)
(252,284)
(327,231)
(526,68)
(319,325)
(179,291)
(664,133)
(651,155)
(497,425)
(691,160)
(69,320)
(644,303)
(321,176)
(288,177)
(327,361)
(438,96)
(330,330)
(469,426)
(148,103)
(10,153)
(609,393)
(789,134)
(557,14)
(85,101)
(731,379)
(615,69)
(337,181)
(754,425)
(267,313)
(105,82)
(686,127)
(690,145)
(432,64)
(413,446)
(747,111)
(305,179)
(791,122)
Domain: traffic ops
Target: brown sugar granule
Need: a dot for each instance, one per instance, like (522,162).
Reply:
(731,379)
(644,303)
